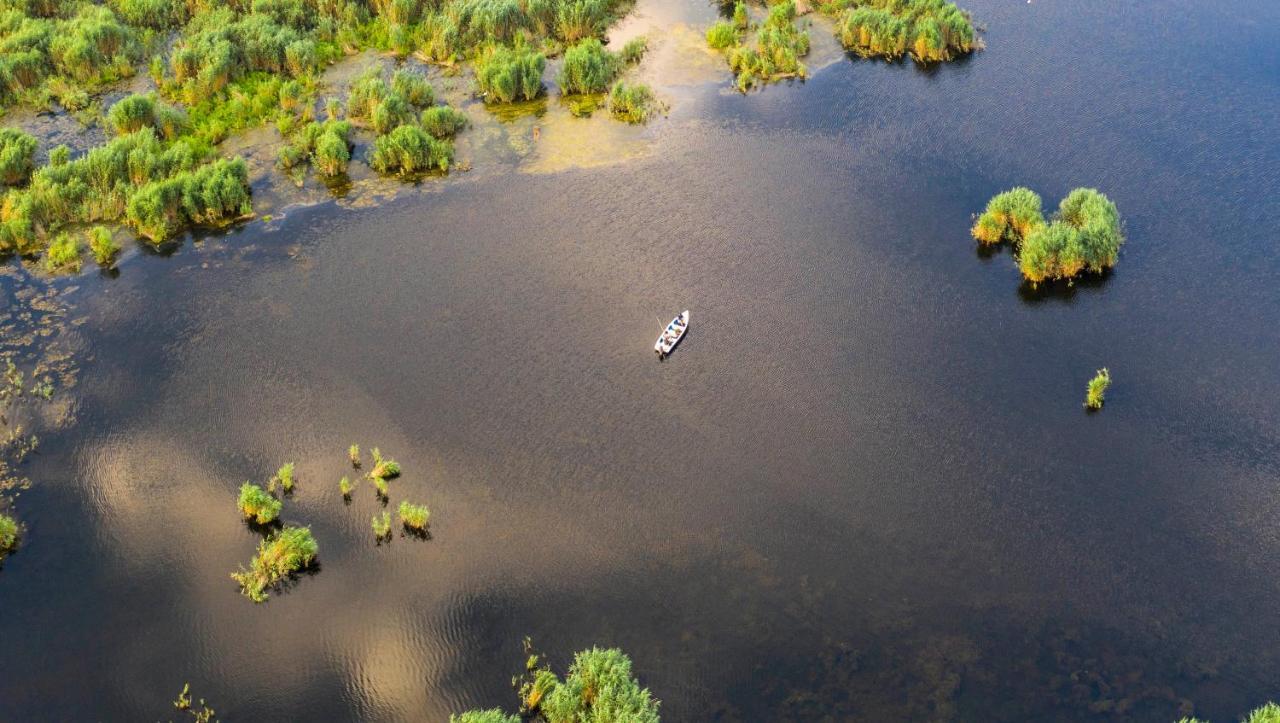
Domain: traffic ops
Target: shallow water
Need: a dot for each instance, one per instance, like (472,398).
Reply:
(863,486)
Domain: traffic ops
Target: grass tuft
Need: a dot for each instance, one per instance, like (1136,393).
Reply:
(414,516)
(1097,390)
(382,525)
(257,504)
(284,553)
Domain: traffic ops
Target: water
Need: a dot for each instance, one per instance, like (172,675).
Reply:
(863,487)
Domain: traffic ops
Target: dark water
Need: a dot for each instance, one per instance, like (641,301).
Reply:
(863,487)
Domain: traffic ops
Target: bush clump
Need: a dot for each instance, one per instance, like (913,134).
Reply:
(634,49)
(206,196)
(383,469)
(632,103)
(410,150)
(722,35)
(505,75)
(1097,389)
(325,144)
(443,121)
(257,504)
(9,532)
(1085,233)
(414,516)
(137,111)
(283,477)
(63,254)
(588,68)
(772,54)
(381,525)
(493,715)
(284,553)
(17,156)
(930,30)
(103,245)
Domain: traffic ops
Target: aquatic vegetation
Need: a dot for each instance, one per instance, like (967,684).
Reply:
(1085,233)
(283,477)
(1097,389)
(634,49)
(135,112)
(930,30)
(505,75)
(580,19)
(80,46)
(209,195)
(414,88)
(588,68)
(598,687)
(326,145)
(17,156)
(493,715)
(383,469)
(414,516)
(772,54)
(380,485)
(383,107)
(201,712)
(443,121)
(410,150)
(1268,713)
(103,245)
(632,103)
(382,525)
(353,454)
(257,504)
(9,532)
(344,486)
(63,254)
(284,553)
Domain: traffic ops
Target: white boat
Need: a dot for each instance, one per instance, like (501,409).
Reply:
(672,334)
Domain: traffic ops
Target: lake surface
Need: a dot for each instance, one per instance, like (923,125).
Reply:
(863,487)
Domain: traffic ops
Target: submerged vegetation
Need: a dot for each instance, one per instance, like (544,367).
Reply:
(1097,389)
(772,53)
(928,30)
(1085,234)
(284,553)
(257,504)
(598,687)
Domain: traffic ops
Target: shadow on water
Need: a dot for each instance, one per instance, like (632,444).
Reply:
(1065,290)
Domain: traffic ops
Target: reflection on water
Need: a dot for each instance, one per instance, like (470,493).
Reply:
(864,488)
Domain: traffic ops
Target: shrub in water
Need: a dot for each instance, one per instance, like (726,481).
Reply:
(284,553)
(8,533)
(135,112)
(580,19)
(63,254)
(409,150)
(588,68)
(1085,234)
(257,504)
(505,75)
(103,245)
(413,88)
(631,103)
(1009,216)
(344,486)
(600,687)
(931,30)
(353,454)
(740,18)
(1097,389)
(634,50)
(383,468)
(208,195)
(493,715)
(442,121)
(382,525)
(17,154)
(414,516)
(331,154)
(284,476)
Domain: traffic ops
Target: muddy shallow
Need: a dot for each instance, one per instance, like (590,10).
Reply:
(863,487)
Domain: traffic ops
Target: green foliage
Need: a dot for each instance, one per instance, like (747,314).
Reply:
(588,68)
(353,454)
(410,150)
(135,112)
(383,469)
(504,75)
(156,14)
(740,18)
(325,145)
(103,245)
(44,55)
(1085,234)
(414,516)
(580,19)
(493,715)
(9,532)
(772,54)
(722,35)
(443,121)
(1097,390)
(930,30)
(413,88)
(600,687)
(63,254)
(385,107)
(634,50)
(632,103)
(1269,713)
(344,486)
(17,154)
(257,504)
(208,195)
(1009,216)
(283,477)
(382,525)
(284,553)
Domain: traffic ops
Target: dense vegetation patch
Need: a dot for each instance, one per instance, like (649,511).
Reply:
(928,30)
(1269,713)
(506,75)
(413,516)
(588,68)
(57,50)
(284,553)
(769,54)
(633,103)
(17,156)
(8,534)
(257,504)
(599,687)
(1097,389)
(1085,234)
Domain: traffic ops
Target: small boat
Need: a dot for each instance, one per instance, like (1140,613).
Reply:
(672,334)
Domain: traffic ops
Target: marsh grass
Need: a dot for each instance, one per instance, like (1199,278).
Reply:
(633,103)
(200,712)
(283,477)
(257,504)
(506,75)
(103,245)
(1097,389)
(63,254)
(344,486)
(353,454)
(1084,235)
(772,53)
(928,30)
(383,469)
(588,68)
(17,156)
(414,516)
(289,551)
(410,151)
(382,526)
(493,715)
(634,49)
